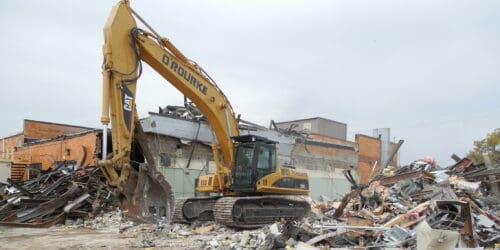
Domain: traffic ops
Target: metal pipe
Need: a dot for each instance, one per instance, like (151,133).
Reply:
(170,46)
(77,201)
(104,141)
(145,23)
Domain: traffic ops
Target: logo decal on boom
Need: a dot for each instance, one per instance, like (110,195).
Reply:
(177,68)
(127,105)
(127,102)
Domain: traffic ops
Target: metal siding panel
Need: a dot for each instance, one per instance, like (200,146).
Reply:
(316,126)
(182,184)
(332,129)
(385,136)
(4,172)
(333,188)
(178,128)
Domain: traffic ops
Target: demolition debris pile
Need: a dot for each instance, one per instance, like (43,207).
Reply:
(61,192)
(420,206)
(415,205)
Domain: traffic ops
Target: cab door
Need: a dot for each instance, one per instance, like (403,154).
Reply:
(253,161)
(243,168)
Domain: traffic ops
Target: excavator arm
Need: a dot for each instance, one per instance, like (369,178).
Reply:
(190,81)
(125,47)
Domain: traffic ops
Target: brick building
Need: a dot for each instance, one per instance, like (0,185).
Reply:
(41,144)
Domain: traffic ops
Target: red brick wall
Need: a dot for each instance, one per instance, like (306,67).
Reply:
(10,143)
(331,139)
(369,152)
(322,150)
(47,153)
(47,130)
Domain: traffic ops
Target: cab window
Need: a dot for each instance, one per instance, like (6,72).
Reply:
(265,159)
(244,156)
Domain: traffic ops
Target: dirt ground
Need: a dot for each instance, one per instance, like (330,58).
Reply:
(61,238)
(64,237)
(111,231)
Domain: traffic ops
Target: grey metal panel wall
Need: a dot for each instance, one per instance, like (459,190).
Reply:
(186,129)
(320,126)
(183,129)
(308,125)
(333,188)
(182,181)
(5,171)
(385,141)
(332,129)
(316,126)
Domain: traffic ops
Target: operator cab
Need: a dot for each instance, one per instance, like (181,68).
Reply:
(255,157)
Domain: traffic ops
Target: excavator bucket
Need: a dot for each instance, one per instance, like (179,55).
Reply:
(147,197)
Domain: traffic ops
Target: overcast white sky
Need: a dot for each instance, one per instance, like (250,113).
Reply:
(429,70)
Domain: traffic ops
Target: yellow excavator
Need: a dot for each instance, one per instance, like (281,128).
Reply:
(248,189)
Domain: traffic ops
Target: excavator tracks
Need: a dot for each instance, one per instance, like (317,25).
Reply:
(241,212)
(194,209)
(258,211)
(178,217)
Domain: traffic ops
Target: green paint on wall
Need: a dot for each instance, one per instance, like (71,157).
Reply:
(183,182)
